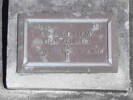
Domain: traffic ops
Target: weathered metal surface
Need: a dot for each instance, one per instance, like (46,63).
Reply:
(63,43)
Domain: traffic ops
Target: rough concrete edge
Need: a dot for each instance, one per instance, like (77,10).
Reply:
(30,94)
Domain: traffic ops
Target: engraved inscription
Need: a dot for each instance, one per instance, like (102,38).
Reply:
(72,41)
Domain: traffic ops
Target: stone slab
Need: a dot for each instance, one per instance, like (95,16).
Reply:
(74,81)
(78,95)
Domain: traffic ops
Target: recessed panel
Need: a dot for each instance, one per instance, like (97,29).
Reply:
(64,44)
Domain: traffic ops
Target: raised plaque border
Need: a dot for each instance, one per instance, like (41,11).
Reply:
(111,66)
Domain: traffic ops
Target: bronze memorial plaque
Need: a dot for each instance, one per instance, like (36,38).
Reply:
(49,43)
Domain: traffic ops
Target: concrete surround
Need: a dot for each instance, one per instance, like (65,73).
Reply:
(114,92)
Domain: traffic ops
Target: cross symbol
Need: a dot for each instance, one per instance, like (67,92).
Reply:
(67,47)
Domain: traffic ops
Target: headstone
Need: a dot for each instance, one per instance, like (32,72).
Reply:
(75,44)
